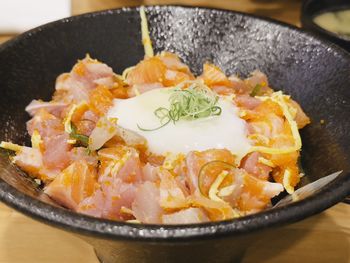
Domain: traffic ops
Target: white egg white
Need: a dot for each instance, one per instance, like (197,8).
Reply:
(226,131)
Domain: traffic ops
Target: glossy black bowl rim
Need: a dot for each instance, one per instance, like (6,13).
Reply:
(307,20)
(328,196)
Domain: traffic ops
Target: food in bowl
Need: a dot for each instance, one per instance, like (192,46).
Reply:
(158,145)
(337,22)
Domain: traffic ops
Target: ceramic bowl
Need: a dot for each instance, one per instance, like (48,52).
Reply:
(314,72)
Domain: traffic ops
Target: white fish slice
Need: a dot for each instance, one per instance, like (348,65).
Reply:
(307,190)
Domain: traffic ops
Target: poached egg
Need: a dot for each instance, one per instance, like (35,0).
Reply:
(224,131)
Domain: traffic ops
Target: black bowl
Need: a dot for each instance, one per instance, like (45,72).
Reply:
(312,8)
(315,73)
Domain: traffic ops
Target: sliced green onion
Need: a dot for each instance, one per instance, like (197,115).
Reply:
(80,138)
(197,101)
(256,90)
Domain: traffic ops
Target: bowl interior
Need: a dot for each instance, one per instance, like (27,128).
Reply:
(315,74)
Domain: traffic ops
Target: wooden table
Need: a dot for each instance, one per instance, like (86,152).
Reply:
(323,238)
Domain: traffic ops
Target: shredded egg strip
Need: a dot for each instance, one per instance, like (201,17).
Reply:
(126,211)
(287,182)
(215,186)
(266,162)
(36,140)
(171,160)
(11,146)
(226,191)
(119,164)
(116,164)
(133,221)
(126,72)
(146,40)
(278,98)
(68,119)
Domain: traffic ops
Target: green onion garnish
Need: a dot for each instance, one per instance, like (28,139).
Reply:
(196,101)
(256,90)
(80,138)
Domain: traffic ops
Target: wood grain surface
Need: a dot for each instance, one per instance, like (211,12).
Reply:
(324,238)
(321,239)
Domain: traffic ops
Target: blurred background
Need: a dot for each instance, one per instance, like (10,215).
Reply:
(17,16)
(284,10)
